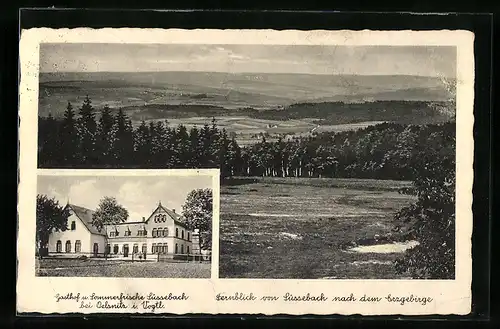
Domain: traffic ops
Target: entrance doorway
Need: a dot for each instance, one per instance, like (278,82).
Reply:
(125,250)
(96,249)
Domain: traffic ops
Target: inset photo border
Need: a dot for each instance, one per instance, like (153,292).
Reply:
(125,223)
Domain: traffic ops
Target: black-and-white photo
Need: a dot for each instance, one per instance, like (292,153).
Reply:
(336,162)
(124,226)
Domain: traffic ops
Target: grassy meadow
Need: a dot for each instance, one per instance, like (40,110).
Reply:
(287,228)
(125,269)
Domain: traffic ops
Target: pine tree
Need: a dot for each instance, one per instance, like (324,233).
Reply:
(181,147)
(123,148)
(87,128)
(143,145)
(206,160)
(105,136)
(158,144)
(234,158)
(195,148)
(68,137)
(49,145)
(222,157)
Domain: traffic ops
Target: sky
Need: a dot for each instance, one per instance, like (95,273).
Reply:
(360,60)
(139,195)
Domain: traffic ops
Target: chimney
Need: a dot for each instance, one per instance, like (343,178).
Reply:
(143,219)
(173,210)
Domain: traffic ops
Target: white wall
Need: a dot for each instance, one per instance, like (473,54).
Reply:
(80,233)
(100,240)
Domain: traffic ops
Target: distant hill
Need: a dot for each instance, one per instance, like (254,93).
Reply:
(327,99)
(416,112)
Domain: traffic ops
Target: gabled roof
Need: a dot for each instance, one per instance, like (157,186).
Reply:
(85,216)
(178,219)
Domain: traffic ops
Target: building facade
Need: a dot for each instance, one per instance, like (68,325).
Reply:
(163,233)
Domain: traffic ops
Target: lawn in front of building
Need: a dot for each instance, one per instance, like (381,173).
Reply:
(125,269)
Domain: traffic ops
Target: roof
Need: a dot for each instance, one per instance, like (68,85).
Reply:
(178,219)
(85,215)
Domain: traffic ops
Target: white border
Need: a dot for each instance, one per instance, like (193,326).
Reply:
(36,294)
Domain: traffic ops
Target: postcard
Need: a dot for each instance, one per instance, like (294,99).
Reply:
(168,171)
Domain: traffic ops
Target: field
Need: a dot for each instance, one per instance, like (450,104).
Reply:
(113,268)
(299,228)
(248,130)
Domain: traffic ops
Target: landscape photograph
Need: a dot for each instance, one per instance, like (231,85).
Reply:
(336,162)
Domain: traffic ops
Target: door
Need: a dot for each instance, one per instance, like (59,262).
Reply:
(96,249)
(125,250)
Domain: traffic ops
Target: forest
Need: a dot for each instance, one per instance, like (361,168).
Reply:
(383,151)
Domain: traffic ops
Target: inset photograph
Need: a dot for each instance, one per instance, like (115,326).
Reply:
(124,225)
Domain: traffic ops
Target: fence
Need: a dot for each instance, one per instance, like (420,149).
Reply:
(136,257)
(199,258)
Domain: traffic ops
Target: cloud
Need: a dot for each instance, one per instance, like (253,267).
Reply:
(316,59)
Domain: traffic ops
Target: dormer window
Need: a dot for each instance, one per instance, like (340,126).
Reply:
(128,232)
(73,225)
(114,233)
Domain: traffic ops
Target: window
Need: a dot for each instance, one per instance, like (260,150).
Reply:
(182,248)
(162,248)
(189,238)
(108,249)
(176,249)
(136,249)
(111,234)
(165,232)
(73,225)
(188,249)
(141,232)
(153,248)
(160,218)
(154,233)
(68,246)
(182,234)
(115,249)
(176,232)
(144,248)
(127,232)
(78,246)
(59,246)
(125,250)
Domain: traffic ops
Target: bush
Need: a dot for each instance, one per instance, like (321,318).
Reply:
(431,220)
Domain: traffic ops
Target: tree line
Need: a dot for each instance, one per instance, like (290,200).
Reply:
(383,151)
